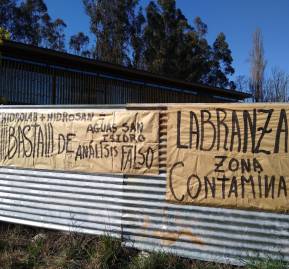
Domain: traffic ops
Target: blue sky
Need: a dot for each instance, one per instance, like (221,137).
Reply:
(238,19)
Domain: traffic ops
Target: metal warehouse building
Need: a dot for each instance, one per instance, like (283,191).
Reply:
(32,75)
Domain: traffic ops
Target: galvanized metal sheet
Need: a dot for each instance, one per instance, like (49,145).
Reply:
(134,208)
(71,202)
(211,234)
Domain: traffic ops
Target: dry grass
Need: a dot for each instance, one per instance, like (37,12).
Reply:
(24,247)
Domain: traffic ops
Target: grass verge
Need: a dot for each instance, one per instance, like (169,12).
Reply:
(23,247)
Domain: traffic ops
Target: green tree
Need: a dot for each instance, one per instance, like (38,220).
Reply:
(165,34)
(200,53)
(4,34)
(161,41)
(137,40)
(173,47)
(110,22)
(153,37)
(167,47)
(7,15)
(28,22)
(221,64)
(32,18)
(78,44)
(52,35)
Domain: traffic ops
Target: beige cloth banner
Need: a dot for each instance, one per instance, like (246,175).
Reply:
(80,140)
(229,155)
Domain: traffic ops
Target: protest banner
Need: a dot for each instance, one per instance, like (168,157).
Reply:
(229,155)
(80,140)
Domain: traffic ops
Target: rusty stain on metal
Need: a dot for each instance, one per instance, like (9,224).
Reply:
(169,238)
(146,222)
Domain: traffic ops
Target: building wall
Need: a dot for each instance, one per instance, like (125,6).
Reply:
(27,82)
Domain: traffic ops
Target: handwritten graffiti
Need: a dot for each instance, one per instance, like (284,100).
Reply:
(120,142)
(229,155)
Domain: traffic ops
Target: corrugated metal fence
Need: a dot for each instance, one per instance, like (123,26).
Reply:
(211,234)
(134,209)
(64,201)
